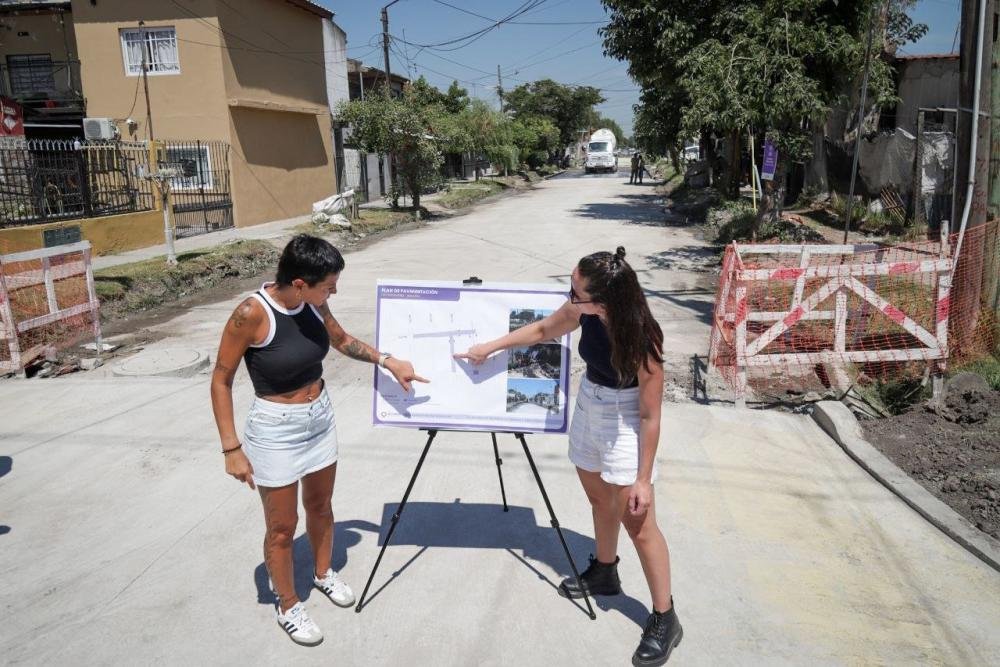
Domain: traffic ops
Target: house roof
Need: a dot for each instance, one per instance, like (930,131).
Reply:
(322,12)
(929,56)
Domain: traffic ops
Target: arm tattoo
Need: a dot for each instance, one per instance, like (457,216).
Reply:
(242,312)
(357,350)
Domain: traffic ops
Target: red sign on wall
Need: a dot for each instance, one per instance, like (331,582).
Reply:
(11,118)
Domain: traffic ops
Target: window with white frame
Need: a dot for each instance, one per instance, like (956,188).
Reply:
(194,164)
(158,45)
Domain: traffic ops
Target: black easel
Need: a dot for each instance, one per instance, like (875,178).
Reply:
(431,433)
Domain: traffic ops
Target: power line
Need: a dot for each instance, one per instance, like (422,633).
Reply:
(468,39)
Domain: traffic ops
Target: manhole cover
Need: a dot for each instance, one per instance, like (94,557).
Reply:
(172,362)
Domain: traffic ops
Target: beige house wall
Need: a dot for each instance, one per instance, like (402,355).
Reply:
(46,34)
(187,105)
(282,158)
(281,163)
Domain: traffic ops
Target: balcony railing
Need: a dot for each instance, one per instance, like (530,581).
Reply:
(37,81)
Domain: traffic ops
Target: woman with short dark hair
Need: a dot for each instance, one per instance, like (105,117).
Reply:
(615,430)
(282,333)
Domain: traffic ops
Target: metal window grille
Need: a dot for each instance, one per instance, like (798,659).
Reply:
(159,46)
(31,74)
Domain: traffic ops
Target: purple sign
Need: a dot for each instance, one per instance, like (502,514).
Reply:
(770,161)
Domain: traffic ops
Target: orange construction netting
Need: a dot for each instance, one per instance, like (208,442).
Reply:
(785,312)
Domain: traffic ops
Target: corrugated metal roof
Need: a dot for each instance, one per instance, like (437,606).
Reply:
(929,56)
(312,7)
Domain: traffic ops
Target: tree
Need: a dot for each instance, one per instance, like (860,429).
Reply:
(400,126)
(724,68)
(536,139)
(456,99)
(569,107)
(489,133)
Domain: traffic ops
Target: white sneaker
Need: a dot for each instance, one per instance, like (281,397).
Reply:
(335,589)
(299,626)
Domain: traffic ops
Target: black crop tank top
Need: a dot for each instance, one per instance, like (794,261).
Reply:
(595,349)
(291,357)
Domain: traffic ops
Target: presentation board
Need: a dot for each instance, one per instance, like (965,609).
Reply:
(522,390)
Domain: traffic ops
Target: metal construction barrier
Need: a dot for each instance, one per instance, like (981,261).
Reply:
(47,301)
(888,309)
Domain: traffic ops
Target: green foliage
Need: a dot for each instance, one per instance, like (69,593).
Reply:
(466,195)
(570,108)
(725,65)
(536,138)
(402,126)
(738,220)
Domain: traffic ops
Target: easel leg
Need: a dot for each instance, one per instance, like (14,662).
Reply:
(395,519)
(555,521)
(496,454)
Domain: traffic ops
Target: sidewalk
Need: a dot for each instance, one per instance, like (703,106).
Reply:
(268,231)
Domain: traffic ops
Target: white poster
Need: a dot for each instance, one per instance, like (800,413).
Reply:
(519,390)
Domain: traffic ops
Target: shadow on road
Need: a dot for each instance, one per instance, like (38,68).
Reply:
(346,534)
(702,307)
(460,525)
(6,465)
(633,209)
(697,258)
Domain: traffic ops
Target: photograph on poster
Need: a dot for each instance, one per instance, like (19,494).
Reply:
(537,361)
(534,396)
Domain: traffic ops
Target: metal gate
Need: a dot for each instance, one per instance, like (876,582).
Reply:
(201,193)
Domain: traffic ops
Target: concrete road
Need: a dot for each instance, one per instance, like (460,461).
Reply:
(122,541)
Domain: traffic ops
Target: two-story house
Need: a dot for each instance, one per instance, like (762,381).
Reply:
(249,73)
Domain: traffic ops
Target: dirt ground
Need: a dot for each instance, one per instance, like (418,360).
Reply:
(952,449)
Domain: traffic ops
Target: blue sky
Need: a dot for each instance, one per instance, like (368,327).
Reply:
(565,46)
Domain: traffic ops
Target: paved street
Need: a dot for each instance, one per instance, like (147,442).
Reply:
(126,543)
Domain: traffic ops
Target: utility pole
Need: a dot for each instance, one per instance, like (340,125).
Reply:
(993,282)
(385,44)
(145,80)
(388,80)
(500,88)
(970,191)
(859,130)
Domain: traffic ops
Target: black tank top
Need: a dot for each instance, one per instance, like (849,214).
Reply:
(595,349)
(291,357)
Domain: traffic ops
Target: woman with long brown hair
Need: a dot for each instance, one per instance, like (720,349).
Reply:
(615,430)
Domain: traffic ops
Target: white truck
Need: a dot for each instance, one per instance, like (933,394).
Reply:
(601,152)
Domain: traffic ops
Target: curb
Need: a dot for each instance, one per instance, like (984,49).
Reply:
(840,424)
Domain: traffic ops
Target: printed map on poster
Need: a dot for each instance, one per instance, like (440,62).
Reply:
(522,390)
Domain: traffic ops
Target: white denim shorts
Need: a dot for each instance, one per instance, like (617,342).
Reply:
(604,433)
(286,442)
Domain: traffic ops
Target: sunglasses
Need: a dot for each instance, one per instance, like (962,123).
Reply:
(575,299)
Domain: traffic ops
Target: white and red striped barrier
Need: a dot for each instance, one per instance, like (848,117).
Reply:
(842,271)
(72,263)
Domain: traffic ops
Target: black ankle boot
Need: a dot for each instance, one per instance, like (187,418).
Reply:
(598,579)
(663,632)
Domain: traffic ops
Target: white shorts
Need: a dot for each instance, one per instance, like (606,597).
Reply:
(286,442)
(604,434)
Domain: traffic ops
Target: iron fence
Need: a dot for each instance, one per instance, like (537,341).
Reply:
(201,192)
(49,180)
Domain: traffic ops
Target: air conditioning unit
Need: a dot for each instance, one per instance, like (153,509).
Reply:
(99,128)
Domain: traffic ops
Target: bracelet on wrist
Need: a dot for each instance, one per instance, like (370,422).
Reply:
(231,450)
(382,358)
